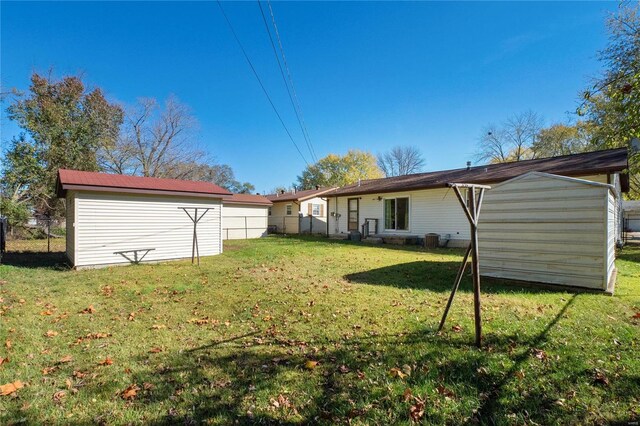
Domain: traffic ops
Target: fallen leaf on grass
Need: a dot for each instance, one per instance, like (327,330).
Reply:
(155,350)
(396,372)
(51,333)
(310,365)
(59,395)
(446,392)
(7,343)
(158,326)
(132,316)
(48,370)
(416,411)
(148,386)
(10,388)
(343,369)
(88,310)
(600,378)
(636,316)
(130,392)
(43,313)
(540,354)
(79,374)
(456,328)
(64,359)
(407,394)
(106,361)
(3,360)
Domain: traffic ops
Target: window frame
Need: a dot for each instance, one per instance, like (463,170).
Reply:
(384,212)
(288,209)
(313,209)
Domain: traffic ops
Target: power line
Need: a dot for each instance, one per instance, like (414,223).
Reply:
(255,73)
(286,85)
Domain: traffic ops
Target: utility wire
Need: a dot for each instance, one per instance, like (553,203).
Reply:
(255,73)
(286,85)
(293,87)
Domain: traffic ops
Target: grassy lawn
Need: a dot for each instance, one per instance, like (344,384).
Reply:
(286,330)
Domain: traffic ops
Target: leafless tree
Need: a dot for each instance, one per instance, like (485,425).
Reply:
(401,160)
(511,141)
(154,141)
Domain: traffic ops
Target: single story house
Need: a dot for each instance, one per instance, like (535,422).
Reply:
(299,212)
(117,219)
(409,207)
(631,213)
(244,216)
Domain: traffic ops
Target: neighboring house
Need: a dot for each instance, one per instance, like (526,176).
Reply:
(244,216)
(117,219)
(631,213)
(409,207)
(299,212)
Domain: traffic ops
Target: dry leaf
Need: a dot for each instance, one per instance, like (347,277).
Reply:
(540,354)
(158,326)
(132,316)
(416,411)
(7,343)
(3,360)
(396,372)
(67,358)
(106,361)
(48,370)
(407,394)
(59,395)
(46,313)
(130,392)
(148,386)
(10,388)
(79,374)
(310,365)
(600,378)
(155,350)
(51,333)
(636,316)
(343,369)
(456,328)
(89,310)
(444,391)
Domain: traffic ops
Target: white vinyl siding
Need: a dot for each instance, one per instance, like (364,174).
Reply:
(430,210)
(240,221)
(550,229)
(112,222)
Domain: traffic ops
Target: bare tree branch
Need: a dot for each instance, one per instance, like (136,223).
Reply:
(400,160)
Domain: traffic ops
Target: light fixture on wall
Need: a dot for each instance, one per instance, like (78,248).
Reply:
(379,198)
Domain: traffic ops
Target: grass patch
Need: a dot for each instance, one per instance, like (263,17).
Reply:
(304,330)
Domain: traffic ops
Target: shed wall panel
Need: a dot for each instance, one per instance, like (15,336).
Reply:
(108,223)
(241,221)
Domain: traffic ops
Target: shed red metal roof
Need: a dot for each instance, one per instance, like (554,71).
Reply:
(597,162)
(104,182)
(247,199)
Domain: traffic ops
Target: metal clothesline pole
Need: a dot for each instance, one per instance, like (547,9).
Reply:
(471,208)
(195,250)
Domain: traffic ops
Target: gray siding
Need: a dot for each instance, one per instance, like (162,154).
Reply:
(240,221)
(550,229)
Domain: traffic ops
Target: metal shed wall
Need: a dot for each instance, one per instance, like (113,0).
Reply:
(109,222)
(549,229)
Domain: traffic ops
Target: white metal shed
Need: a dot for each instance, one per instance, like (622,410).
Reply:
(245,216)
(551,229)
(116,219)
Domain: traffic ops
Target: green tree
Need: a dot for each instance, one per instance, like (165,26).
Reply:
(336,170)
(612,105)
(66,125)
(563,139)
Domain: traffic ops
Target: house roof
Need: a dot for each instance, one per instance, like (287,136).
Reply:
(597,162)
(103,182)
(247,199)
(299,195)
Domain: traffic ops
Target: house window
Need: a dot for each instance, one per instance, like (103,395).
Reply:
(269,211)
(396,214)
(315,210)
(288,209)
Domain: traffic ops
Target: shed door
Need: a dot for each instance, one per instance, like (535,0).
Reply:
(353,214)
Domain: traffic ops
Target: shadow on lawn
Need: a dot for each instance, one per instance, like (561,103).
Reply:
(36,260)
(436,276)
(261,378)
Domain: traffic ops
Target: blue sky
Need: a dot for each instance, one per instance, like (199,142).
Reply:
(369,75)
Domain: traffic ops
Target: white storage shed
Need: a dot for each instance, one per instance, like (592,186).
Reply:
(245,216)
(117,219)
(550,229)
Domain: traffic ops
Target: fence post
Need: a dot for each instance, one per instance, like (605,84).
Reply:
(246,231)
(310,224)
(48,234)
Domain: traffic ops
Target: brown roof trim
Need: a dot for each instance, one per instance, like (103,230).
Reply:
(584,164)
(255,203)
(89,188)
(307,195)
